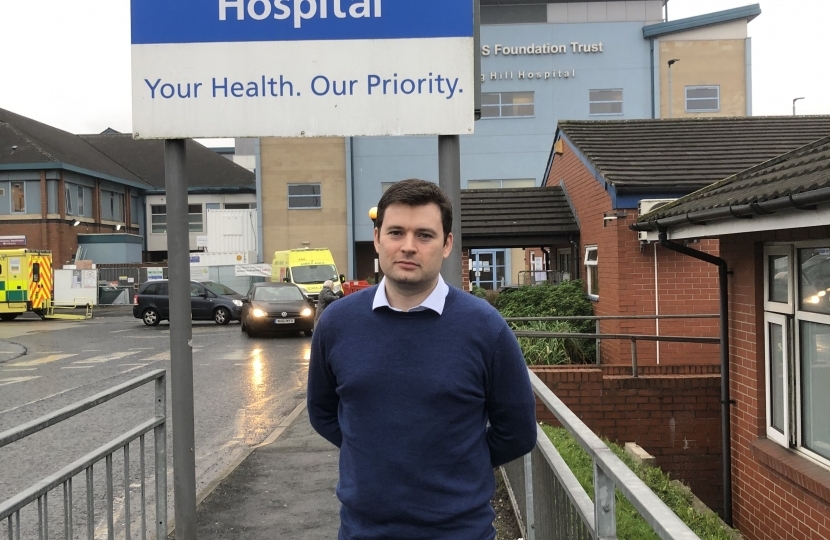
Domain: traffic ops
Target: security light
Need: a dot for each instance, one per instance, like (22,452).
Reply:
(118,227)
(76,223)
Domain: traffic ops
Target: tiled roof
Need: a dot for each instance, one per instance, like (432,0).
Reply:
(797,179)
(518,217)
(28,143)
(38,143)
(145,158)
(683,155)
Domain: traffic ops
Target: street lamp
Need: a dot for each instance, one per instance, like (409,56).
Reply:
(671,63)
(373,215)
(796,99)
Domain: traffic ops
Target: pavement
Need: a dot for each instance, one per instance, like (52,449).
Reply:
(283,489)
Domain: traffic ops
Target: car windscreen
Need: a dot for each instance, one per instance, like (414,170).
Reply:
(277,294)
(218,288)
(313,274)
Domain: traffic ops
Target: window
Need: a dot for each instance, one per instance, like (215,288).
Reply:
(797,347)
(592,271)
(158,218)
(702,98)
(498,184)
(194,218)
(80,200)
(112,205)
(605,102)
(213,206)
(18,198)
(240,206)
(563,260)
(68,198)
(304,196)
(507,105)
(384,186)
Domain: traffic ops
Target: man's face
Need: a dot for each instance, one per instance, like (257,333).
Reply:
(411,247)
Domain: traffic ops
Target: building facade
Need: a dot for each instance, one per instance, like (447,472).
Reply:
(542,62)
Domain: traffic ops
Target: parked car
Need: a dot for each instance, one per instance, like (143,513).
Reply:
(275,306)
(208,301)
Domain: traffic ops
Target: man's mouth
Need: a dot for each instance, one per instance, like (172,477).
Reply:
(407,264)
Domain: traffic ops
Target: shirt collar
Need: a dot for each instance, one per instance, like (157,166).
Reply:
(435,301)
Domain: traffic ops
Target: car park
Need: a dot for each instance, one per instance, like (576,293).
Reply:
(208,301)
(276,307)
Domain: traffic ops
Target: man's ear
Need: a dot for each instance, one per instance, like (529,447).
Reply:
(376,238)
(448,245)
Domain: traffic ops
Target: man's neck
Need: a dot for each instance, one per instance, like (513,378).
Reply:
(405,299)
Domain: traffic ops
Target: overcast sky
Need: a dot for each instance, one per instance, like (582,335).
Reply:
(67,62)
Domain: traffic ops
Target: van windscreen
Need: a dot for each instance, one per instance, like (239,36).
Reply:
(313,274)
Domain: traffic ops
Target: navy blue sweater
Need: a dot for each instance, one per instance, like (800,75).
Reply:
(407,397)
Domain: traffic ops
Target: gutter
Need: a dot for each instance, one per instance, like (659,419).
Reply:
(801,201)
(725,400)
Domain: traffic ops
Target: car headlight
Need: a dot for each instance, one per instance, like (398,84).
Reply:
(259,313)
(306,312)
(237,303)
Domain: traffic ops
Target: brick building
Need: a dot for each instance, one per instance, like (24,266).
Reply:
(607,168)
(772,223)
(56,185)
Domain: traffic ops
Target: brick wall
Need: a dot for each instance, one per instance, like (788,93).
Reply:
(626,276)
(777,494)
(672,412)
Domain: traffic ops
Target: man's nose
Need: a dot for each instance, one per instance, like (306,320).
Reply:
(408,244)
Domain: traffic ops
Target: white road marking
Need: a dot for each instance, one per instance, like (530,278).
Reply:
(12,380)
(91,350)
(134,368)
(78,367)
(106,357)
(21,369)
(239,424)
(142,348)
(118,331)
(45,360)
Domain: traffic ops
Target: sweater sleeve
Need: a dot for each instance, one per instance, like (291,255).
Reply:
(511,405)
(322,398)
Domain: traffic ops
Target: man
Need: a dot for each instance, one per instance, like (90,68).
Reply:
(404,378)
(326,297)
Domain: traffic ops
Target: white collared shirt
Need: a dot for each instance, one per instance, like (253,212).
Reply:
(435,301)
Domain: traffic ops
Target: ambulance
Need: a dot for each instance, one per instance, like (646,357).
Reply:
(25,282)
(308,268)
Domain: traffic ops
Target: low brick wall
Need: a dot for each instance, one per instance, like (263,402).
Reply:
(673,412)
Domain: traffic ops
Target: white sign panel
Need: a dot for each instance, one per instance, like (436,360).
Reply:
(256,270)
(155,274)
(288,68)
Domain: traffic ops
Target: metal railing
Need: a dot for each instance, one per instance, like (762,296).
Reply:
(10,510)
(598,336)
(537,277)
(553,505)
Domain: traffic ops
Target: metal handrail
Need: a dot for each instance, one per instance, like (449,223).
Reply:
(610,473)
(11,508)
(610,317)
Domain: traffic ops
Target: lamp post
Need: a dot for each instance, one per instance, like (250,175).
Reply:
(671,63)
(796,99)
(373,215)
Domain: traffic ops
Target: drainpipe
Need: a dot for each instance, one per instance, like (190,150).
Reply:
(725,399)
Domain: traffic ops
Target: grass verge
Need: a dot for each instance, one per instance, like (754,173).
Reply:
(630,525)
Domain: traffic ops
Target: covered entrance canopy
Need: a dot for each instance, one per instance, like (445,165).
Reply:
(516,218)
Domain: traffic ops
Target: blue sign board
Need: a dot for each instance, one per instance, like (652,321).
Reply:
(212,21)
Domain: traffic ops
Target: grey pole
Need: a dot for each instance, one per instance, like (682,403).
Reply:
(671,63)
(181,332)
(449,178)
(796,99)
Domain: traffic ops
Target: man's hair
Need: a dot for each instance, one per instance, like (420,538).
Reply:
(414,192)
(328,284)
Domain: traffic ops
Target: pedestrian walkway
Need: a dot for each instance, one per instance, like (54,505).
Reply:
(282,490)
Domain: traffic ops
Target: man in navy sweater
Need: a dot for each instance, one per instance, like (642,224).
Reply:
(422,386)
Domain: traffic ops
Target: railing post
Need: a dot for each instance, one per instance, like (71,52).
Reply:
(160,436)
(605,513)
(634,357)
(530,532)
(597,341)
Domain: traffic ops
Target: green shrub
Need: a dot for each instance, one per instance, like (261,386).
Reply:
(480,292)
(630,524)
(564,300)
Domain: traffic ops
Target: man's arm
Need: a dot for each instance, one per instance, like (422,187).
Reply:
(322,398)
(511,405)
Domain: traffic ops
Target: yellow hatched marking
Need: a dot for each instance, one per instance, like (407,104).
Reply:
(45,360)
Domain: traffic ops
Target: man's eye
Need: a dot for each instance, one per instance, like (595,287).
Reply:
(425,236)
(394,233)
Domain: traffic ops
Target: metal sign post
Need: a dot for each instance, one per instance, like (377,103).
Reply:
(181,332)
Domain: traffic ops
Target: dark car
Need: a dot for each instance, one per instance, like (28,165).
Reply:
(208,301)
(273,307)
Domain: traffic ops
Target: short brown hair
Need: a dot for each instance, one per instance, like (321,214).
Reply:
(414,192)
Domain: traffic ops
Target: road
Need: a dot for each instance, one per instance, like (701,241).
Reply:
(243,389)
